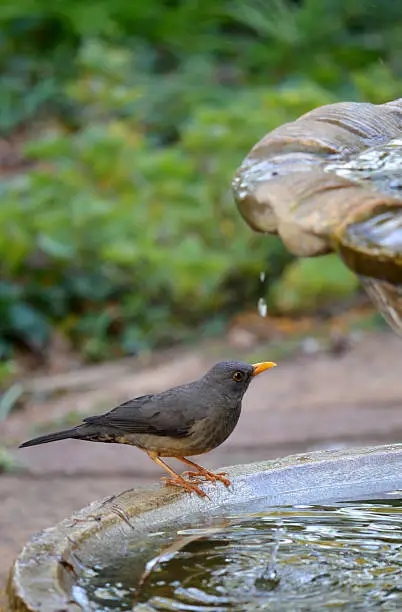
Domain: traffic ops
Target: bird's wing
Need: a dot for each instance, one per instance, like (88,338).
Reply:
(159,415)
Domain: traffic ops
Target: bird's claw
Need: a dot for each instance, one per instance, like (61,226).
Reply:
(191,487)
(211,476)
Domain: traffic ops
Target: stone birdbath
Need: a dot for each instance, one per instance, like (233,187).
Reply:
(329,181)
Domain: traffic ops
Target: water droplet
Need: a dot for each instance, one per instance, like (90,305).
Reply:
(270,577)
(262,307)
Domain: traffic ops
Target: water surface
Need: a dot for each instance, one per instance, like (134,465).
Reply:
(301,558)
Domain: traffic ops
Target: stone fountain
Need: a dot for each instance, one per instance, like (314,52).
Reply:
(332,181)
(329,181)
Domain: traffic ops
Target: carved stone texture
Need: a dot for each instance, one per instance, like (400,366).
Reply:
(311,180)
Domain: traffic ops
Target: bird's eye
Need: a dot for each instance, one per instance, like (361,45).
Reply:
(238,376)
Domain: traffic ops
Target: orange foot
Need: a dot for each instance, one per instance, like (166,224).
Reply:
(191,487)
(211,476)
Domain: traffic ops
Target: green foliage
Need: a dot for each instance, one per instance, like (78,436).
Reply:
(311,284)
(215,47)
(113,237)
(123,234)
(9,400)
(8,463)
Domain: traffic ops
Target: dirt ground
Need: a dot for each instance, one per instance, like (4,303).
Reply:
(308,403)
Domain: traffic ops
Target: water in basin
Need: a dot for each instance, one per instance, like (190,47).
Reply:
(303,558)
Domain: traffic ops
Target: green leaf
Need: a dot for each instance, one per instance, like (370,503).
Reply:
(29,324)
(54,248)
(9,399)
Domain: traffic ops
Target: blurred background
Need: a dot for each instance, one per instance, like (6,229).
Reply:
(125,266)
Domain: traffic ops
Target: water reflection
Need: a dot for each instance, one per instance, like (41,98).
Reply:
(382,231)
(312,558)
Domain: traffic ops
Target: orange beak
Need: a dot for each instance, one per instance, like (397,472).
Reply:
(261,367)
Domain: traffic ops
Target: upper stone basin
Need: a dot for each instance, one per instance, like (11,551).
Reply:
(332,181)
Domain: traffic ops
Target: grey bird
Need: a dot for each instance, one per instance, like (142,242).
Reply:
(190,419)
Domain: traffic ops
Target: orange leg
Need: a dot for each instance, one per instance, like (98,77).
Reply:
(204,472)
(176,480)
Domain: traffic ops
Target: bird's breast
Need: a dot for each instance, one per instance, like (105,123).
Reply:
(213,430)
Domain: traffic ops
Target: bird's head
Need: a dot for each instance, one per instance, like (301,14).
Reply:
(234,377)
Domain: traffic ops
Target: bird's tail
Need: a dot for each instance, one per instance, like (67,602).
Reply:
(53,437)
